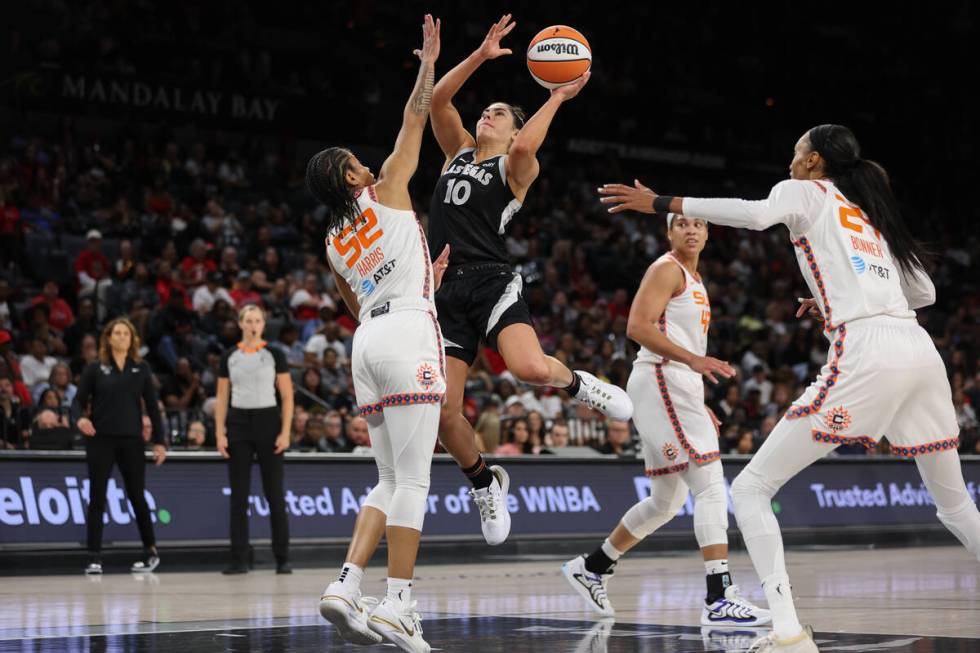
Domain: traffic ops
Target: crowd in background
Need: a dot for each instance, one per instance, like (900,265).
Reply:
(180,228)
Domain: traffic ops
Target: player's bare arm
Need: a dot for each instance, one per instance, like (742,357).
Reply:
(522,160)
(397,170)
(661,281)
(446,122)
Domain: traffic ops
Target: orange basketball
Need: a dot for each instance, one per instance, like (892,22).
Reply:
(558,55)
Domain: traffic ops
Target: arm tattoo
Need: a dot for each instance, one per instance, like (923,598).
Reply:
(422,94)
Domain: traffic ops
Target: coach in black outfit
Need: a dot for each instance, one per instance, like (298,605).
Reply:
(254,427)
(116,384)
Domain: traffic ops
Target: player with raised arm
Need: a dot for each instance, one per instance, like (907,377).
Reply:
(669,318)
(380,260)
(883,375)
(483,184)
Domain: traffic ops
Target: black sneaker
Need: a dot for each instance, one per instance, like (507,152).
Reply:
(94,567)
(149,562)
(239,565)
(283,568)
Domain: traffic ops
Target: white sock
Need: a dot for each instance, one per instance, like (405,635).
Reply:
(400,589)
(785,623)
(712,567)
(350,576)
(611,551)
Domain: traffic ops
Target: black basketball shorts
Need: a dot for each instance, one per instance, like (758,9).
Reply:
(475,302)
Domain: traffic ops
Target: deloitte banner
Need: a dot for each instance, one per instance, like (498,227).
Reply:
(44,499)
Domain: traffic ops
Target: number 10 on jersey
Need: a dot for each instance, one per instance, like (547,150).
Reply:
(457,192)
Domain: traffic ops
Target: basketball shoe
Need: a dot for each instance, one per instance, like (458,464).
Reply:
(733,610)
(399,624)
(348,612)
(802,643)
(492,504)
(608,399)
(149,562)
(591,587)
(727,639)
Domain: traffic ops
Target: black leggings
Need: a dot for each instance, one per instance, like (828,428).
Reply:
(101,452)
(252,435)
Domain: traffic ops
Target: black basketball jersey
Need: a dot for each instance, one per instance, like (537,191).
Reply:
(471,207)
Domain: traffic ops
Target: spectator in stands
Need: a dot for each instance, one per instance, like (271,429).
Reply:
(60,315)
(86,322)
(5,295)
(313,437)
(124,268)
(335,378)
(196,266)
(14,417)
(60,380)
(183,390)
(759,381)
(333,440)
(92,267)
(277,301)
(966,417)
(196,436)
(206,295)
(243,293)
(517,441)
(619,440)
(557,438)
(311,384)
(535,429)
(10,368)
(36,366)
(40,329)
(746,442)
(88,352)
(331,336)
(290,344)
(487,426)
(357,435)
(307,300)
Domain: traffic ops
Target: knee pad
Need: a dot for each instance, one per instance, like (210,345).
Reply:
(653,512)
(963,521)
(380,496)
(711,515)
(407,507)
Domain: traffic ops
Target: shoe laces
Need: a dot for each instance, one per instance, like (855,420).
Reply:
(409,611)
(486,502)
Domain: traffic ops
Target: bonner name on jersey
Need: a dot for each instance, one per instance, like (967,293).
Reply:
(470,170)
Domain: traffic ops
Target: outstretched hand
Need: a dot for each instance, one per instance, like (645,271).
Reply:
(490,48)
(430,40)
(809,306)
(627,198)
(440,265)
(568,91)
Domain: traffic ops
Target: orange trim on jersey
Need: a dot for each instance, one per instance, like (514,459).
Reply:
(819,185)
(663,471)
(401,399)
(832,438)
(250,350)
(697,277)
(796,412)
(818,277)
(930,447)
(675,422)
(373,195)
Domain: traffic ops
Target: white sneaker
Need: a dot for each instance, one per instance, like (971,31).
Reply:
(149,562)
(597,639)
(608,399)
(348,612)
(802,643)
(591,587)
(93,569)
(399,624)
(733,610)
(727,639)
(492,504)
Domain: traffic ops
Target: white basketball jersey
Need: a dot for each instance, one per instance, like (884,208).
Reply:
(686,318)
(845,261)
(383,256)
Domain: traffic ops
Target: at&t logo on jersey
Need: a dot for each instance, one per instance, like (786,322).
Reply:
(859,265)
(367,286)
(426,375)
(384,270)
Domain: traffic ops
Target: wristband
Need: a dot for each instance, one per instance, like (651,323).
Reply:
(661,204)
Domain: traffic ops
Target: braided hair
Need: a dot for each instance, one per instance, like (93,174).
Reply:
(325,177)
(866,183)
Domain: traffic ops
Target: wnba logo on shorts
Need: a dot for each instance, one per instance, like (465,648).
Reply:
(669,451)
(837,419)
(426,375)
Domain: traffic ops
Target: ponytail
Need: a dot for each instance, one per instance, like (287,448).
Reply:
(866,183)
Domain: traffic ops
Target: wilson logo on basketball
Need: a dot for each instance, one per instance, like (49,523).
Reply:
(426,375)
(670,451)
(837,419)
(558,48)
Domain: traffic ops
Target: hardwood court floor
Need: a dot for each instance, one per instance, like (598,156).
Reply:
(922,600)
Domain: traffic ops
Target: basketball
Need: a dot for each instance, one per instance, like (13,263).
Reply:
(558,55)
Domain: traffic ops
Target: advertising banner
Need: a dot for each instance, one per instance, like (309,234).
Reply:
(45,500)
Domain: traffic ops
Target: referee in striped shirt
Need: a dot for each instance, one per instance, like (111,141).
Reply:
(254,427)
